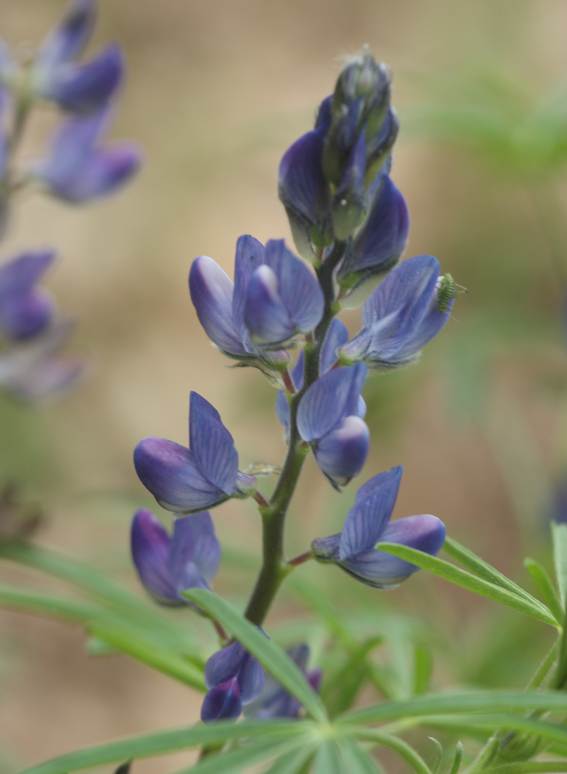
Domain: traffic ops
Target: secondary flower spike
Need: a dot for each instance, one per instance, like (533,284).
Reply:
(329,419)
(234,678)
(185,480)
(168,565)
(274,297)
(57,76)
(403,314)
(368,523)
(79,167)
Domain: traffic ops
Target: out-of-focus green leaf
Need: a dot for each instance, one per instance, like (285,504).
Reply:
(102,589)
(457,758)
(357,760)
(559,533)
(270,655)
(422,668)
(292,761)
(341,687)
(163,742)
(328,759)
(108,628)
(470,582)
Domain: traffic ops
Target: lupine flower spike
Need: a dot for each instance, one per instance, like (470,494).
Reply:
(185,480)
(368,523)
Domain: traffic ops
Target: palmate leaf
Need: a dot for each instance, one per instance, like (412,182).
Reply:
(268,653)
(470,582)
(163,742)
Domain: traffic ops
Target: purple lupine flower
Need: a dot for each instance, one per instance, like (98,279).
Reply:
(274,297)
(168,565)
(25,309)
(368,523)
(185,480)
(58,77)
(380,242)
(79,168)
(402,315)
(234,678)
(335,337)
(304,192)
(274,701)
(328,418)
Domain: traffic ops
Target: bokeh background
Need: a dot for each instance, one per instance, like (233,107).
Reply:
(214,95)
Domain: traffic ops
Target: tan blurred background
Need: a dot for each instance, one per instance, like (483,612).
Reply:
(215,93)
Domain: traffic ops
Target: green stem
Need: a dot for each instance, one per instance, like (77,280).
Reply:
(274,567)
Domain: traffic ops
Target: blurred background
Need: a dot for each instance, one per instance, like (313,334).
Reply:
(215,93)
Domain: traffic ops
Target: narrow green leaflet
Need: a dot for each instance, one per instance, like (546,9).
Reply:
(467,580)
(328,759)
(292,761)
(239,759)
(342,686)
(545,586)
(559,534)
(270,655)
(163,742)
(357,760)
(404,750)
(553,767)
(483,569)
(489,702)
(457,758)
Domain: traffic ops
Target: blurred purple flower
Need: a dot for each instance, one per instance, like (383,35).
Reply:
(57,76)
(274,701)
(25,309)
(274,297)
(34,369)
(329,419)
(368,523)
(402,315)
(234,678)
(186,480)
(169,565)
(79,168)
